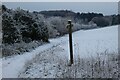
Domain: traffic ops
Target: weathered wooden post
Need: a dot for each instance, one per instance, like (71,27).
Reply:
(69,26)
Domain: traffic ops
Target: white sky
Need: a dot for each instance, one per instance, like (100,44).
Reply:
(60,0)
(107,8)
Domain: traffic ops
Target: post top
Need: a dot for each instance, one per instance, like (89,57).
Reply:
(69,21)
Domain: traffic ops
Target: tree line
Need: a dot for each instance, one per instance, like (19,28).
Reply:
(21,25)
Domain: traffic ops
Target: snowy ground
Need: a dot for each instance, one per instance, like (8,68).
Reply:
(51,60)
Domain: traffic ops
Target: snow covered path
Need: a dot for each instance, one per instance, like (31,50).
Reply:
(47,64)
(16,64)
(46,59)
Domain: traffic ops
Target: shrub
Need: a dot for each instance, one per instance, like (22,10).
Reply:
(59,24)
(100,21)
(10,33)
(19,48)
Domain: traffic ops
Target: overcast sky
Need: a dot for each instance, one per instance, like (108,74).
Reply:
(107,8)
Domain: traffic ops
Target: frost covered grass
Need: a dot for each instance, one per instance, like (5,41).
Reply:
(103,66)
(19,48)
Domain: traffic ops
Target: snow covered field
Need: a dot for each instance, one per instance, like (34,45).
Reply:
(48,61)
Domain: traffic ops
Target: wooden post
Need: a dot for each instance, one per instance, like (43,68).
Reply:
(69,26)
